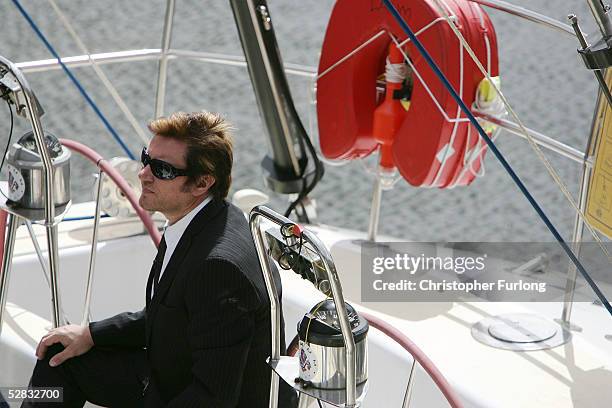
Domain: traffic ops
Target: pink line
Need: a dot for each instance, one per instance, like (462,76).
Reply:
(418,354)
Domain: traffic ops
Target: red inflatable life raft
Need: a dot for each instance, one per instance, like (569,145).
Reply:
(431,142)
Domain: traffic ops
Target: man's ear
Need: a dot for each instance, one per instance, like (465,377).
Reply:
(203,185)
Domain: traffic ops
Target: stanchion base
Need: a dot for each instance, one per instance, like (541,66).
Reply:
(287,369)
(569,325)
(520,332)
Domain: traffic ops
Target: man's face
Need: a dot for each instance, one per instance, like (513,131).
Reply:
(173,198)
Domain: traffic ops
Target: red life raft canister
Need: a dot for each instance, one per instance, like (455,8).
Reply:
(433,144)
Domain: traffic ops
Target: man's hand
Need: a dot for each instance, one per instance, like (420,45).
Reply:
(76,340)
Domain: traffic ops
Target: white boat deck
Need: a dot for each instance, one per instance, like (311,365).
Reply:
(577,374)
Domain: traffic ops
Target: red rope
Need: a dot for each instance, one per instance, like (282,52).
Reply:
(418,354)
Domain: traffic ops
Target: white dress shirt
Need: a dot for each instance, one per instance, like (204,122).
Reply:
(174,232)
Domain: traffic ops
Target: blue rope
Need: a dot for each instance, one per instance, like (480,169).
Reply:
(497,153)
(85,217)
(74,80)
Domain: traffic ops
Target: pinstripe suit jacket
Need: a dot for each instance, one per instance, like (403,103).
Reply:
(207,327)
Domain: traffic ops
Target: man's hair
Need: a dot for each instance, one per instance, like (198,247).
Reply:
(209,145)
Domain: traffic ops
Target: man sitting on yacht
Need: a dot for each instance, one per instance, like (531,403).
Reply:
(204,335)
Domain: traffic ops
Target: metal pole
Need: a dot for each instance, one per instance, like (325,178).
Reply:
(44,154)
(570,286)
(600,12)
(375,210)
(92,254)
(275,314)
(52,243)
(305,401)
(76,61)
(148,54)
(49,172)
(52,246)
(265,69)
(308,237)
(345,327)
(37,129)
(539,138)
(9,245)
(410,386)
(598,73)
(526,14)
(163,62)
(41,259)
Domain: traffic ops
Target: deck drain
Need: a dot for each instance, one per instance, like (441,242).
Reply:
(520,331)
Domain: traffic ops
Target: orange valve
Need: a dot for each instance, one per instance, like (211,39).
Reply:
(390,114)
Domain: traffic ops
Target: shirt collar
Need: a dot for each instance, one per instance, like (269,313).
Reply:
(174,232)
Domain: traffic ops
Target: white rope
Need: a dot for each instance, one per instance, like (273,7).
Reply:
(553,173)
(482,146)
(471,157)
(370,40)
(411,66)
(350,54)
(427,27)
(395,73)
(107,83)
(486,37)
(494,107)
(451,142)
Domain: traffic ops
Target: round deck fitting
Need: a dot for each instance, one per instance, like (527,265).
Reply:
(520,332)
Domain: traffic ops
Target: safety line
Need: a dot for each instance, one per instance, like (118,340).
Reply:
(537,150)
(101,75)
(75,81)
(391,8)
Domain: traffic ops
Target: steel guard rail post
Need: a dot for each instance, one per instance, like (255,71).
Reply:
(3,218)
(4,269)
(33,115)
(255,217)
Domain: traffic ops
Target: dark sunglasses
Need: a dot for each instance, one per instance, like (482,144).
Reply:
(159,168)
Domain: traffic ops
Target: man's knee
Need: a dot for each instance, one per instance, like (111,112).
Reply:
(43,373)
(61,376)
(53,350)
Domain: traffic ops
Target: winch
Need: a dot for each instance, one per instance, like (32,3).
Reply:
(322,355)
(26,172)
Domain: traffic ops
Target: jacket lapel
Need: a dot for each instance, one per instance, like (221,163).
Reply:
(182,249)
(150,285)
